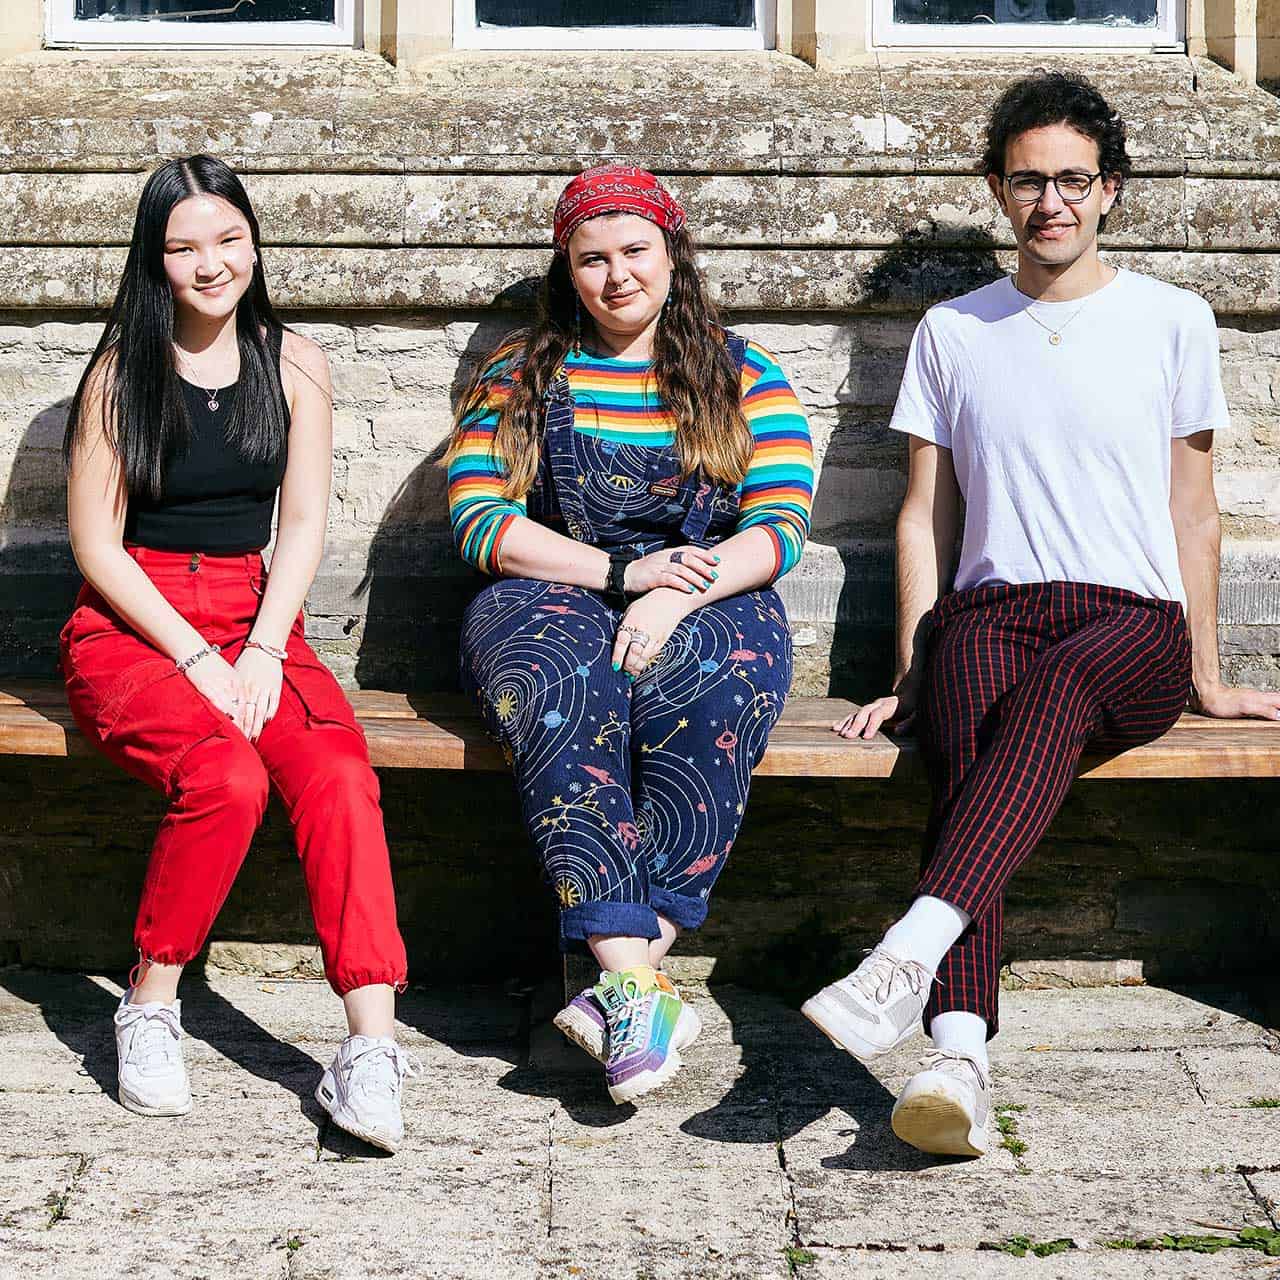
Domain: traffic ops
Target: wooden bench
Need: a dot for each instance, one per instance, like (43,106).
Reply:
(443,731)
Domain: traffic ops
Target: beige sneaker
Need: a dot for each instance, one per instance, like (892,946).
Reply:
(875,1008)
(944,1108)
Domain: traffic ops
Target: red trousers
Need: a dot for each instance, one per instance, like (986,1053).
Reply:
(1020,679)
(142,713)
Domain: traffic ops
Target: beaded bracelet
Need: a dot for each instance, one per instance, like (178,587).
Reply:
(192,659)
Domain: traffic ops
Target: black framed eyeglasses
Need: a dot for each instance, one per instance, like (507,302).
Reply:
(1027,188)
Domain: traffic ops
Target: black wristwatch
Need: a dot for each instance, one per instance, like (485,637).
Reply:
(615,593)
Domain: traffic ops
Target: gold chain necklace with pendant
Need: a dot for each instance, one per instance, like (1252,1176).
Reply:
(1055,335)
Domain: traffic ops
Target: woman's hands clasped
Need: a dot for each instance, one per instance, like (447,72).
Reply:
(646,626)
(249,692)
(687,569)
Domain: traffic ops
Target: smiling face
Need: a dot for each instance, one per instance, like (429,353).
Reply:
(1050,231)
(622,271)
(208,255)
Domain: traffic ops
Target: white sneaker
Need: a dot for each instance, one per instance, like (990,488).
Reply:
(361,1090)
(944,1108)
(875,1008)
(153,1077)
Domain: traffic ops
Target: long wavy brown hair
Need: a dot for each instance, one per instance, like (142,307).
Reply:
(696,377)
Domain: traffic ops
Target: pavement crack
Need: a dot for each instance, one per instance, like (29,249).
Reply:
(56,1202)
(1191,1075)
(1265,1203)
(549,1183)
(795,1253)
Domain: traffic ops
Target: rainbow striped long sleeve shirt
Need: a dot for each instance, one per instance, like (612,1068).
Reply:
(776,494)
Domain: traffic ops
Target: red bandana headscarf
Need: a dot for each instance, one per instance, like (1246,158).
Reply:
(614,188)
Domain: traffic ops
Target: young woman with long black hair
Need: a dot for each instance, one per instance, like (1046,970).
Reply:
(636,477)
(185,662)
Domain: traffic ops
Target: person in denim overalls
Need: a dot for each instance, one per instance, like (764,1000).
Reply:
(631,656)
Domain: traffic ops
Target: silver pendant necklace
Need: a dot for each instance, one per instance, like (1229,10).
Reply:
(211,394)
(1055,335)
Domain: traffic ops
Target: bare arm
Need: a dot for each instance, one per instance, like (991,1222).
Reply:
(304,492)
(926,536)
(97,501)
(1197,528)
(531,550)
(300,525)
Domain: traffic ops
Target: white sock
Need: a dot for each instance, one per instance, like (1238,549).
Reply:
(927,932)
(961,1033)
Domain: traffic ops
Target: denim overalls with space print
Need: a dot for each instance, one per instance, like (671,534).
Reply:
(633,794)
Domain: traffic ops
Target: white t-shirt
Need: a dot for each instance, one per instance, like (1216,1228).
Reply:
(1062,452)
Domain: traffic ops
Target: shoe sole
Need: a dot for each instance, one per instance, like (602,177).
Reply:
(934,1122)
(827,1021)
(140,1108)
(349,1125)
(647,1081)
(586,1033)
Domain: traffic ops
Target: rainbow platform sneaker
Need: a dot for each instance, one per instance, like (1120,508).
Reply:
(640,1025)
(582,1021)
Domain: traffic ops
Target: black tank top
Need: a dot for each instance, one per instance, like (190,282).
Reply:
(211,499)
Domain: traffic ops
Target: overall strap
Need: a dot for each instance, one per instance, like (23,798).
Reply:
(561,457)
(701,509)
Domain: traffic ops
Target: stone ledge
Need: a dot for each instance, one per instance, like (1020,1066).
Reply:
(704,113)
(474,210)
(846,280)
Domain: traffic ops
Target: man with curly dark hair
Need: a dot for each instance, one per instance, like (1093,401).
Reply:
(1072,407)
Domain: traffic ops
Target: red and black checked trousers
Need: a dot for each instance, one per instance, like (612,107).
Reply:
(1019,680)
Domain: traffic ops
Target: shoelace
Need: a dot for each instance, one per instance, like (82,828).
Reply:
(628,1026)
(941,1058)
(157,1038)
(876,982)
(368,1071)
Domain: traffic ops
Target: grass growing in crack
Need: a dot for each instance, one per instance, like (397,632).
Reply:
(1007,1124)
(1264,1102)
(56,1201)
(1020,1246)
(1262,1239)
(797,1257)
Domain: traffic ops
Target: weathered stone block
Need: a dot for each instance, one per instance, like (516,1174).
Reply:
(327,209)
(360,383)
(1226,214)
(375,482)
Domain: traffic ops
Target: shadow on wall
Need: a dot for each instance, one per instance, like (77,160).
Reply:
(38,576)
(415,585)
(863,474)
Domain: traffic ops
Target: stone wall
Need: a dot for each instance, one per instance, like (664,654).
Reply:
(385,607)
(403,220)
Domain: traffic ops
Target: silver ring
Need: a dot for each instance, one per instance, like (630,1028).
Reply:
(637,636)
(677,557)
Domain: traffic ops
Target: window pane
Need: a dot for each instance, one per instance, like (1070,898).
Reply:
(1106,13)
(605,13)
(206,10)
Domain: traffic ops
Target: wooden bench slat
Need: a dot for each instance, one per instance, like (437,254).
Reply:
(442,731)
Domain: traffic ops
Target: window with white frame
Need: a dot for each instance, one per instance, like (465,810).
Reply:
(607,24)
(1140,24)
(200,22)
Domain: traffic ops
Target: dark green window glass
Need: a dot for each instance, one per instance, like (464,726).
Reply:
(1105,13)
(206,10)
(608,13)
